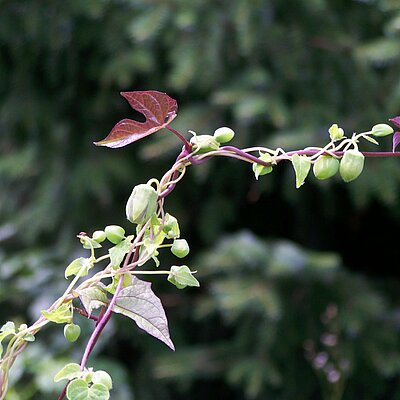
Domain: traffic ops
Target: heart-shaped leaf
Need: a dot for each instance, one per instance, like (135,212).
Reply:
(140,303)
(78,389)
(69,371)
(159,110)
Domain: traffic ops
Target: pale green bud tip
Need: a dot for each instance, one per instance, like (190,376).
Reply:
(381,130)
(142,204)
(224,134)
(335,132)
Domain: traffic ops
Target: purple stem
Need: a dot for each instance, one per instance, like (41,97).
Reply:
(171,187)
(340,153)
(245,155)
(101,324)
(309,153)
(188,146)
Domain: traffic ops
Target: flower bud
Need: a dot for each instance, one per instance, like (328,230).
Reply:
(142,204)
(224,134)
(72,332)
(204,143)
(171,227)
(381,130)
(325,167)
(99,236)
(180,248)
(114,233)
(335,132)
(351,165)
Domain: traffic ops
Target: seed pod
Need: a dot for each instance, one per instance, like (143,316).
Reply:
(325,167)
(351,165)
(381,130)
(114,233)
(99,236)
(142,204)
(72,332)
(180,248)
(204,143)
(224,134)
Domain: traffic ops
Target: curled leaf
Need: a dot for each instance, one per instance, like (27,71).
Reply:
(159,110)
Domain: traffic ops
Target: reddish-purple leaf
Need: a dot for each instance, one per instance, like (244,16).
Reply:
(395,121)
(159,110)
(396,140)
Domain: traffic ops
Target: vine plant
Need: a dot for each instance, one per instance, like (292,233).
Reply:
(107,280)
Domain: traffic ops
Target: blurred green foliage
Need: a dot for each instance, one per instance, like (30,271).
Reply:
(286,324)
(279,72)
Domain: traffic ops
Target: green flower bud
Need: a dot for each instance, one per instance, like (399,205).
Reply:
(224,134)
(99,236)
(180,248)
(142,204)
(351,165)
(260,169)
(171,227)
(114,233)
(325,167)
(335,132)
(72,332)
(204,143)
(381,130)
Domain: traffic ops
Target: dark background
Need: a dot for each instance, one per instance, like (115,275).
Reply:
(280,268)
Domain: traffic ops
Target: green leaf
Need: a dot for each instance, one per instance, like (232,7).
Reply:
(69,371)
(89,243)
(60,315)
(139,303)
(181,276)
(7,329)
(93,297)
(28,337)
(371,139)
(260,169)
(150,246)
(102,377)
(118,252)
(78,389)
(79,264)
(301,165)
